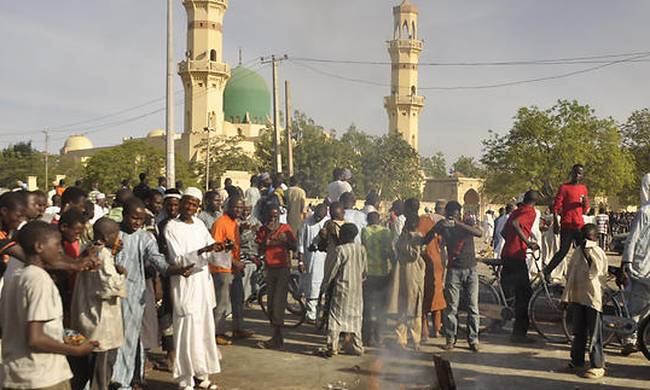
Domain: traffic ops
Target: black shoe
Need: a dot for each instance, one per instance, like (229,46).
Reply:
(474,347)
(448,347)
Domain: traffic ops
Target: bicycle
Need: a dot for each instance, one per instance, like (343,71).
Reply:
(545,310)
(296,309)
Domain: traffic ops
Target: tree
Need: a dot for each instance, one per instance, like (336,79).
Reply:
(225,154)
(19,161)
(542,146)
(387,164)
(636,139)
(466,166)
(110,166)
(434,167)
(393,168)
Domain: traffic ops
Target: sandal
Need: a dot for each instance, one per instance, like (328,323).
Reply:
(207,385)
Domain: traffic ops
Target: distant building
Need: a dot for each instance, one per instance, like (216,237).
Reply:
(230,102)
(404,105)
(469,192)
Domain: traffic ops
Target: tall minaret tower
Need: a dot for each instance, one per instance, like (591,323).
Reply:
(404,105)
(203,73)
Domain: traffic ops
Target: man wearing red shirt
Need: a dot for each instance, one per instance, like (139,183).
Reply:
(275,241)
(571,202)
(514,275)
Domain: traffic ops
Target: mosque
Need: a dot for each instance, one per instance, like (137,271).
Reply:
(229,102)
(237,102)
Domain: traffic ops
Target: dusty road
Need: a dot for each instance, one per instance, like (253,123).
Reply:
(499,365)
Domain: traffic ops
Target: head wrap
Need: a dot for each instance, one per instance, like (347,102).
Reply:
(265,176)
(100,196)
(194,193)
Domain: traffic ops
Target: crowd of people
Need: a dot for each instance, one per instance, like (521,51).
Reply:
(88,290)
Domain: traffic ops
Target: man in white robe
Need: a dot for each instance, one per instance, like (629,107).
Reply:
(312,261)
(190,243)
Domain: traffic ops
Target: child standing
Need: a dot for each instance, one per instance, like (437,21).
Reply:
(344,281)
(583,292)
(96,311)
(32,318)
(376,238)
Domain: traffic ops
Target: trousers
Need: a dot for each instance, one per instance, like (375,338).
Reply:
(222,282)
(461,281)
(587,326)
(515,279)
(568,237)
(277,283)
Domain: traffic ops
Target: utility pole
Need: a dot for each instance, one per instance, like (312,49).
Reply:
(47,141)
(169,102)
(208,130)
(277,161)
(287,127)
(207,161)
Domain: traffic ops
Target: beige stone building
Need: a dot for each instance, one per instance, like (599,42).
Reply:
(469,192)
(230,103)
(404,105)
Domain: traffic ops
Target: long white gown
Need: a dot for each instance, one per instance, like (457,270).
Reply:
(194,300)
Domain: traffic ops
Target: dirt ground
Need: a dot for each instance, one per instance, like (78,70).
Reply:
(499,365)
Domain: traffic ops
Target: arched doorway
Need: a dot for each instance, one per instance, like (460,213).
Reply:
(472,202)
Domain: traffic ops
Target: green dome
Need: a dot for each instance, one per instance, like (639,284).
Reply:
(246,92)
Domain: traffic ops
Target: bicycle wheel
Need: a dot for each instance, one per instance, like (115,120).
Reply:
(489,308)
(643,337)
(261,299)
(546,314)
(295,312)
(293,302)
(611,307)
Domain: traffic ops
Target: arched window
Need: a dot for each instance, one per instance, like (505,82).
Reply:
(213,55)
(413,90)
(413,30)
(405,30)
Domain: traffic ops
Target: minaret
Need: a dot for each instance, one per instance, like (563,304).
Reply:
(203,73)
(404,105)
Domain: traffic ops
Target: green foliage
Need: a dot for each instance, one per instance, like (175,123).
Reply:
(434,167)
(387,164)
(225,154)
(636,139)
(393,168)
(110,166)
(542,146)
(19,161)
(466,166)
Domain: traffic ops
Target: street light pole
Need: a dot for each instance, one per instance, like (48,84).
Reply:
(169,102)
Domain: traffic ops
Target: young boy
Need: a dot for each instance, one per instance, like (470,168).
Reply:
(583,293)
(71,226)
(96,311)
(32,318)
(376,238)
(345,285)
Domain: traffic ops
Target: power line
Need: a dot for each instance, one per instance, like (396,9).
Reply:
(484,86)
(592,59)
(101,126)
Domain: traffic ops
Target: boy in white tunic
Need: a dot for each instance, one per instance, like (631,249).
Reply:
(189,242)
(96,312)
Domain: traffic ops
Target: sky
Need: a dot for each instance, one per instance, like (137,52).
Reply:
(70,65)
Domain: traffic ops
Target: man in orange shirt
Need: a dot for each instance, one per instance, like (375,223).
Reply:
(225,228)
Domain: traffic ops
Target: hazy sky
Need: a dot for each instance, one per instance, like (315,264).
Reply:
(69,61)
